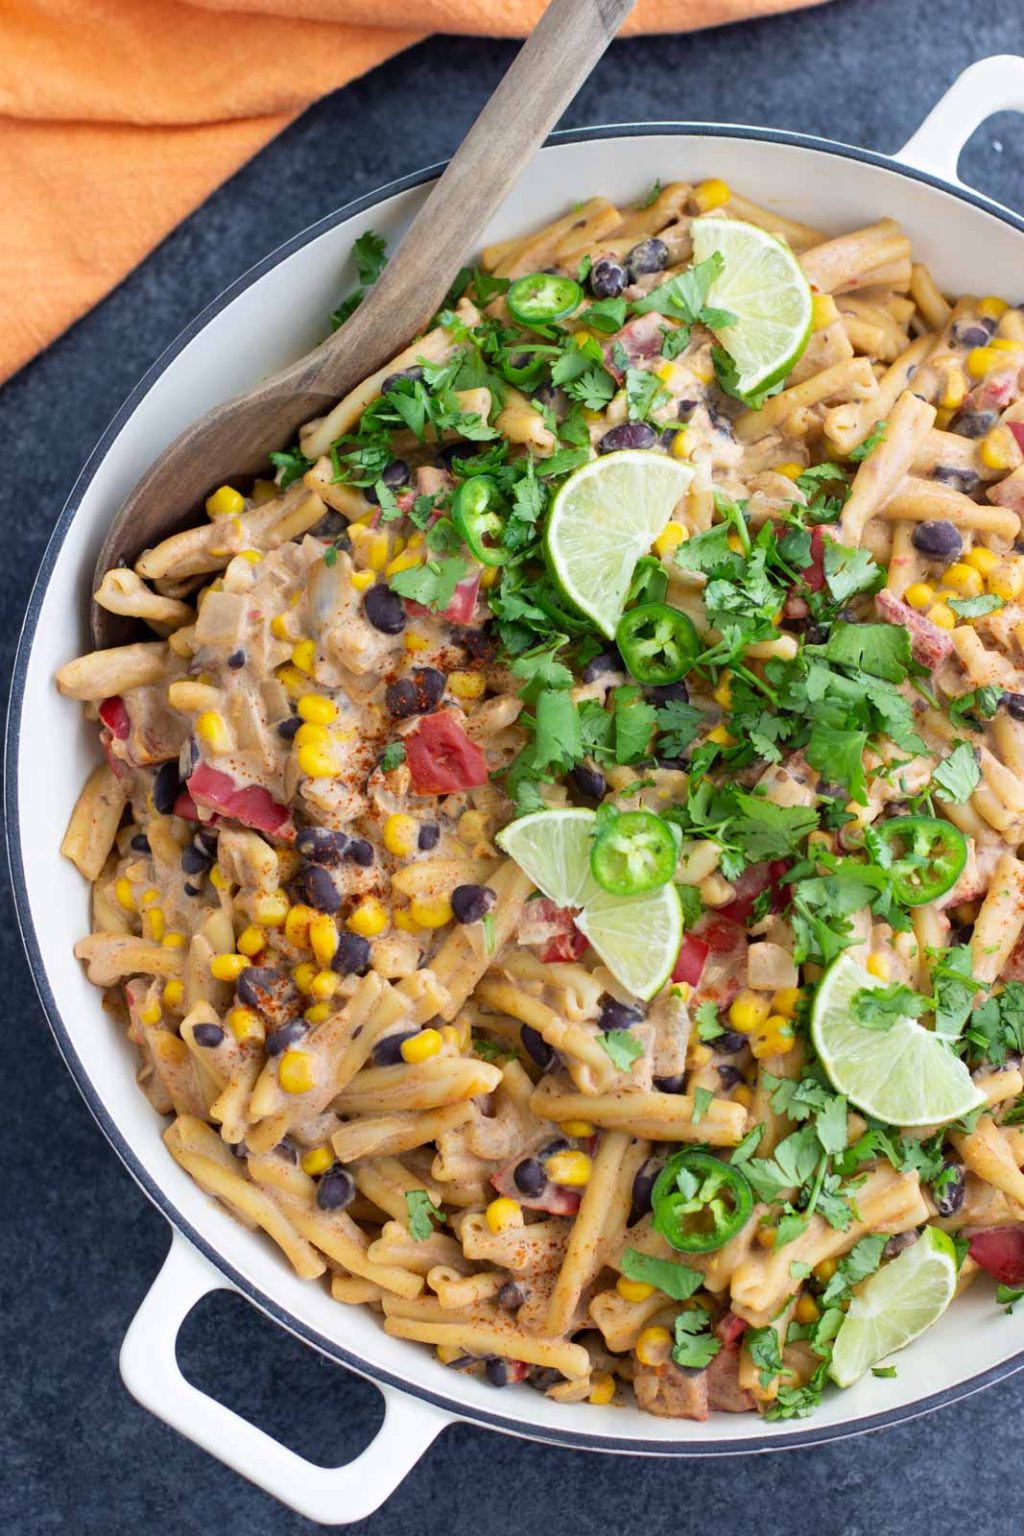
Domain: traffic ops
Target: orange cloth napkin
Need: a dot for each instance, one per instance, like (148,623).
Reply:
(118,117)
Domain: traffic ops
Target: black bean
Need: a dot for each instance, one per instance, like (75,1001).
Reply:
(898,1242)
(1014,705)
(729,1075)
(544,1377)
(415,373)
(669,693)
(289,729)
(674,1084)
(140,843)
(607,278)
(589,781)
(616,1015)
(631,434)
(336,1189)
(207,1035)
(166,787)
(529,1177)
(604,661)
(560,1144)
(388,1052)
(384,609)
(321,891)
(430,836)
(961,933)
(974,335)
(963,480)
(236,660)
(393,475)
(281,1040)
(360,852)
(471,903)
(511,1296)
(719,421)
(817,634)
(464,1363)
(480,643)
(938,539)
(537,1048)
(948,1189)
(730,1042)
(322,846)
(195,860)
(287,1150)
(352,956)
(497,1371)
(643,1183)
(648,256)
(415,695)
(972,423)
(686,408)
(271,992)
(208,839)
(400,698)
(191,890)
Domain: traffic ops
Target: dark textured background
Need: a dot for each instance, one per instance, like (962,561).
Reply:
(78,1244)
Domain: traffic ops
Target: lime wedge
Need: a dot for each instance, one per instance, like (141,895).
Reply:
(637,937)
(763,285)
(894,1305)
(904,1075)
(603,519)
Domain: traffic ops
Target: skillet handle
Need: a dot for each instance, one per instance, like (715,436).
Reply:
(328,1495)
(990,85)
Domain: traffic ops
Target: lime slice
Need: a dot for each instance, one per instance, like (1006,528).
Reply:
(637,937)
(894,1305)
(763,285)
(904,1075)
(603,519)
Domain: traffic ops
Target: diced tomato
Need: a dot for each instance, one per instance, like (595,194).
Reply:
(930,644)
(730,1329)
(114,714)
(641,340)
(250,804)
(441,757)
(185,807)
(553,1198)
(1017,428)
(689,966)
(567,946)
(462,606)
(543,923)
(1000,1251)
(814,573)
(758,878)
(722,975)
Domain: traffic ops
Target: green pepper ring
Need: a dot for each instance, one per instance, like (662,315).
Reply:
(925,838)
(652,631)
(654,856)
(475,518)
(670,1206)
(540,298)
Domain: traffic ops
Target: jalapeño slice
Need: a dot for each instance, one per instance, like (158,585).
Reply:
(474,516)
(636,852)
(700,1202)
(927,856)
(658,643)
(541,297)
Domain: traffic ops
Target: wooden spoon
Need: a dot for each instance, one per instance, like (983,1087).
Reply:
(232,441)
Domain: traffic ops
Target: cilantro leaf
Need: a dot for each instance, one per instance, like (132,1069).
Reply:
(979,704)
(703,1098)
(709,1026)
(958,775)
(540,670)
(421,1214)
(622,1047)
(674,1279)
(954,987)
(635,720)
(765,830)
(678,726)
(870,443)
(839,755)
(975,607)
(392,757)
(881,650)
(696,1346)
(432,584)
(728,382)
(291,464)
(849,571)
(644,393)
(765,1349)
(880,1007)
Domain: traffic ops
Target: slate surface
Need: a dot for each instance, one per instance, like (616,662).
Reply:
(78,1243)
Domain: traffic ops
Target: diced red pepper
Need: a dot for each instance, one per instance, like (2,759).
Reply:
(114,714)
(1000,1251)
(462,606)
(250,804)
(555,1199)
(441,757)
(758,878)
(185,807)
(689,966)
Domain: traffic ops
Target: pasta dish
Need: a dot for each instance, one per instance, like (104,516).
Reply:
(555,853)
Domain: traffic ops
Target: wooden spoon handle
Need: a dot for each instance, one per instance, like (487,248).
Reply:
(547,72)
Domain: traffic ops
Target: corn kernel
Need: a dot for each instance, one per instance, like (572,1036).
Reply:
(653,1347)
(406,561)
(263,491)
(401,834)
(679,450)
(245,1024)
(415,642)
(807,1310)
(786,1002)
(323,938)
(150,1014)
(304,656)
(173,993)
(721,737)
(992,308)
(633,1290)
(362,580)
(474,826)
(225,502)
(281,626)
(250,941)
(294,683)
(317,709)
(735,543)
(743,1095)
(124,893)
(463,1032)
(1004,344)
(723,693)
(403,919)
(665,372)
(303,974)
(942,616)
(317,1160)
(578,1127)
(149,897)
(173,940)
(765,1237)
(982,360)
(823,311)
(699,1055)
(998,450)
(1006,579)
(311,735)
(422,1046)
(295,1071)
(317,763)
(503,1214)
(466,685)
(296,925)
(954,390)
(824,1271)
(982,559)
(318,1012)
(669,540)
(602,1388)
(748,1011)
(154,924)
(710,194)
(368,919)
(919,595)
(227,967)
(878,965)
(430,911)
(964,579)
(792,471)
(324,985)
(572,1169)
(377,551)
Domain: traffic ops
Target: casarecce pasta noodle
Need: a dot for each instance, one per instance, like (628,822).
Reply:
(373,1037)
